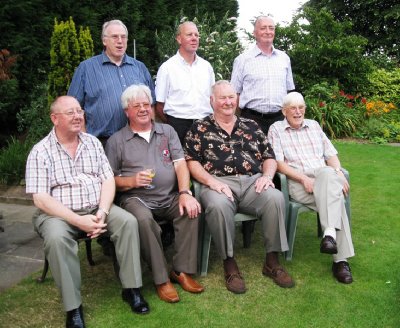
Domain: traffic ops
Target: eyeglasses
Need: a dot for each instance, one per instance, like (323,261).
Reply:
(294,108)
(71,112)
(115,37)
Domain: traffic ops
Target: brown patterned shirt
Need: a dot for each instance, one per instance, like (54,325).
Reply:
(221,154)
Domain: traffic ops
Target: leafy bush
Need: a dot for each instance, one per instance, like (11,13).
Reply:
(12,161)
(339,114)
(385,85)
(35,118)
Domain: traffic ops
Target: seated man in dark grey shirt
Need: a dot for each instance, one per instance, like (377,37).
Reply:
(132,151)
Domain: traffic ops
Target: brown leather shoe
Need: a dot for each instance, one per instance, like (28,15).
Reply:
(167,292)
(279,275)
(186,282)
(235,283)
(342,272)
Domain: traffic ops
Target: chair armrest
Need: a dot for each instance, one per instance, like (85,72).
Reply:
(196,189)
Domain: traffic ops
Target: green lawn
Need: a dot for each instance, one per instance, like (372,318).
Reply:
(317,300)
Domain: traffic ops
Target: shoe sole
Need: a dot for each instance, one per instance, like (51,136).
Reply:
(328,251)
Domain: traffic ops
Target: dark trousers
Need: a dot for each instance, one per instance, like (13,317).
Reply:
(263,120)
(180,125)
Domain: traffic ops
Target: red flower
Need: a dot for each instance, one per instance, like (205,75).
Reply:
(321,104)
(349,104)
(341,92)
(364,100)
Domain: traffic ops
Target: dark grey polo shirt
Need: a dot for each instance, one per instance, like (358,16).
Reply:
(129,153)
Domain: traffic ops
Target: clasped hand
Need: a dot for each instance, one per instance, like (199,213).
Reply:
(93,225)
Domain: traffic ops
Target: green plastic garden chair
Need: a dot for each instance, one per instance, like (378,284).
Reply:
(247,221)
(293,209)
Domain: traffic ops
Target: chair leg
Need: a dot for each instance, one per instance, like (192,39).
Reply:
(44,272)
(115,262)
(291,231)
(89,255)
(247,230)
(205,252)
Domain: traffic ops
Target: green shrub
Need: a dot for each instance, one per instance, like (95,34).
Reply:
(385,85)
(12,161)
(35,117)
(339,114)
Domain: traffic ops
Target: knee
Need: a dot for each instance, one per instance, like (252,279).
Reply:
(56,240)
(129,221)
(275,196)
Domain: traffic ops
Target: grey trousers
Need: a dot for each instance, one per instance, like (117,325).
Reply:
(269,206)
(186,237)
(61,250)
(328,200)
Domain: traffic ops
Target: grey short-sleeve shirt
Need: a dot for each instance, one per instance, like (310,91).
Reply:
(129,153)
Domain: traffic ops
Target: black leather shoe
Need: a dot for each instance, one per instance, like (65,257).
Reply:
(342,272)
(133,297)
(328,245)
(106,245)
(75,318)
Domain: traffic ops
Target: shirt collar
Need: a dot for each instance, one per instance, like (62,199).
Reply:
(183,59)
(256,51)
(128,134)
(125,60)
(286,125)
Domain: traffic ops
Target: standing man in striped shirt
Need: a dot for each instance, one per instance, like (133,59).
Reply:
(262,76)
(98,82)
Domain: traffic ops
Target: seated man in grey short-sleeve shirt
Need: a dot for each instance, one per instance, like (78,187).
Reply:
(142,145)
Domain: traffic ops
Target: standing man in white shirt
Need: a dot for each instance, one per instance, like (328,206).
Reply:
(262,76)
(183,85)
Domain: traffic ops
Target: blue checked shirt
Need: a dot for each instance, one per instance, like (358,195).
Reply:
(262,81)
(98,85)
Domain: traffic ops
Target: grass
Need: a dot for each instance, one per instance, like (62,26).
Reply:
(316,301)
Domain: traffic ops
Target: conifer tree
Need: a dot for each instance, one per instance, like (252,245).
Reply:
(67,51)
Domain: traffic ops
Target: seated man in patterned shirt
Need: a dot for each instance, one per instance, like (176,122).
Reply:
(231,158)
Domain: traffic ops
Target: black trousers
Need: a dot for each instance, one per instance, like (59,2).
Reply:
(263,120)
(180,125)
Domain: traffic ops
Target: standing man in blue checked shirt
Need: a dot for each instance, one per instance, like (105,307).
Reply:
(99,81)
(262,76)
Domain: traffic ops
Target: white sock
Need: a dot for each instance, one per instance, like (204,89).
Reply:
(330,232)
(341,260)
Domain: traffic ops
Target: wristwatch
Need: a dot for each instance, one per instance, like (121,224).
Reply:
(104,211)
(185,192)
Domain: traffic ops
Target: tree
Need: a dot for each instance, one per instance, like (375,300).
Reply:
(323,50)
(376,20)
